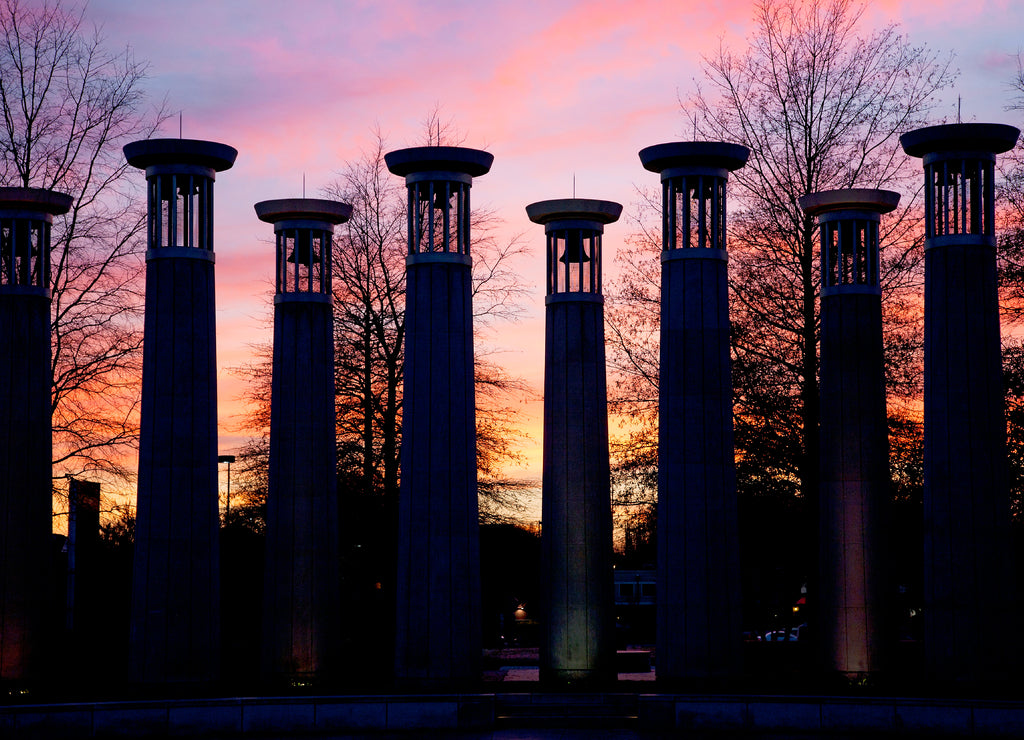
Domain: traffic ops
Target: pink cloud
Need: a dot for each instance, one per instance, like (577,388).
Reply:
(1001,62)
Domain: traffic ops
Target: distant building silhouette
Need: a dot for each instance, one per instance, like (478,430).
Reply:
(83,553)
(970,614)
(576,539)
(26,216)
(438,631)
(175,623)
(855,592)
(301,595)
(698,549)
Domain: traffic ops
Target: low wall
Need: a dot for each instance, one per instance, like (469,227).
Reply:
(833,715)
(245,716)
(468,712)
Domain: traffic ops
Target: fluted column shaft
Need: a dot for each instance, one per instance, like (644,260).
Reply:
(175,622)
(26,484)
(438,631)
(699,609)
(970,614)
(577,583)
(302,587)
(855,591)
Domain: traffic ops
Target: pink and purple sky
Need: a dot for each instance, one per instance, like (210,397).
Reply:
(553,89)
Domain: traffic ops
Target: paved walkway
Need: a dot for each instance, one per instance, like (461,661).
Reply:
(521,665)
(509,674)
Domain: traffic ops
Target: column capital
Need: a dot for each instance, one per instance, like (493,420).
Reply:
(152,152)
(580,210)
(472,162)
(994,138)
(34,200)
(850,199)
(672,156)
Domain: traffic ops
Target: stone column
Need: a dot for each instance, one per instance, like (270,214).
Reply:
(26,216)
(698,616)
(175,623)
(576,540)
(971,625)
(438,632)
(301,595)
(854,503)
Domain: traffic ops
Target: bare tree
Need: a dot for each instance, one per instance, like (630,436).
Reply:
(369,289)
(369,318)
(1010,198)
(68,106)
(369,321)
(633,321)
(497,432)
(821,106)
(250,479)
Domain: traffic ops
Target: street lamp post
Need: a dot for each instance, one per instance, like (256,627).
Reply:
(227,505)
